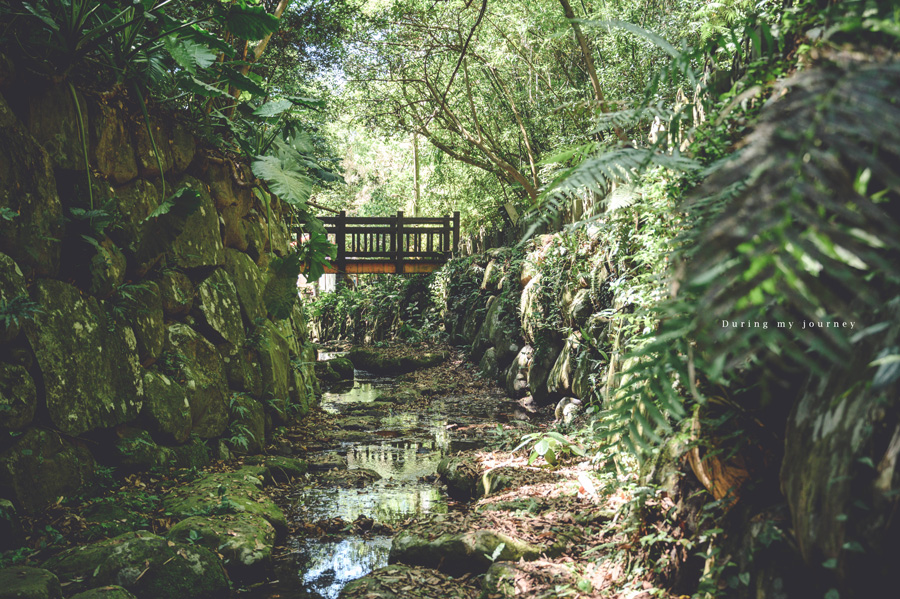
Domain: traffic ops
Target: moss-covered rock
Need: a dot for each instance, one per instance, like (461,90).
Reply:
(194,362)
(334,370)
(475,320)
(111,143)
(134,203)
(461,552)
(460,474)
(40,467)
(275,367)
(107,592)
(146,565)
(53,121)
(135,449)
(177,293)
(194,455)
(219,310)
(248,282)
(500,330)
(224,493)
(280,468)
(12,290)
(24,582)
(166,412)
(18,397)
(200,242)
(88,358)
(183,147)
(562,375)
(247,431)
(107,269)
(242,369)
(542,362)
(245,541)
(375,362)
(144,310)
(516,382)
(489,367)
(106,519)
(28,190)
(147,162)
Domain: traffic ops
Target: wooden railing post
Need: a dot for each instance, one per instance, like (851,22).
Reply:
(398,259)
(445,237)
(456,233)
(340,240)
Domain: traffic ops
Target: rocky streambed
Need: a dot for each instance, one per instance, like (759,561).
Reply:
(388,490)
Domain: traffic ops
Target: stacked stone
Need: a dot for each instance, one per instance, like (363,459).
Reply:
(130,345)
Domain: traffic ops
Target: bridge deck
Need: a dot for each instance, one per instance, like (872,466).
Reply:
(394,244)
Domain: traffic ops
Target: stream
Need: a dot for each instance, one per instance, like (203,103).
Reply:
(404,449)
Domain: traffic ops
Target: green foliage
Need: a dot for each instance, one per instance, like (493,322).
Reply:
(551,446)
(16,310)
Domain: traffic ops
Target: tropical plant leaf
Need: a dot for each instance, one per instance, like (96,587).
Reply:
(288,184)
(245,21)
(191,56)
(274,108)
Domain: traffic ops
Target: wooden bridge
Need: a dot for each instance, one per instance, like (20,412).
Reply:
(393,244)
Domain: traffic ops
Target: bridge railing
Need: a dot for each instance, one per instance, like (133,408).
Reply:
(395,241)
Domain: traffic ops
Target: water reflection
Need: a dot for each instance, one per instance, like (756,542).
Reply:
(406,447)
(360,392)
(330,565)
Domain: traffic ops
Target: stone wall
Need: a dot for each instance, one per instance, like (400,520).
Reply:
(525,333)
(124,340)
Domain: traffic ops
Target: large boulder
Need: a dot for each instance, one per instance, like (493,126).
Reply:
(376,362)
(32,224)
(134,203)
(274,363)
(18,397)
(111,143)
(531,312)
(177,293)
(226,493)
(183,147)
(219,309)
(148,566)
(195,364)
(105,268)
(248,424)
(167,411)
(88,358)
(149,157)
(489,367)
(500,330)
(144,309)
(200,242)
(542,362)
(517,373)
(135,449)
(248,282)
(562,375)
(245,541)
(459,553)
(475,319)
(40,467)
(53,121)
(25,582)
(242,369)
(577,307)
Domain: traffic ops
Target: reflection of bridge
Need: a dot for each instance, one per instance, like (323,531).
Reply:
(393,244)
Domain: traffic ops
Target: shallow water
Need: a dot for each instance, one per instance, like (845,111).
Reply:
(405,447)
